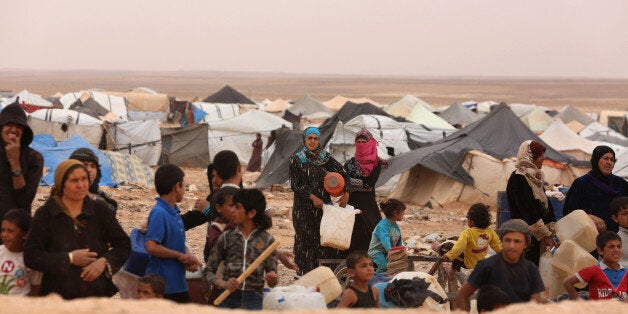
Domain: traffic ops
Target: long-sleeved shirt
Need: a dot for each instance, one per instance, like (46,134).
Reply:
(474,243)
(385,236)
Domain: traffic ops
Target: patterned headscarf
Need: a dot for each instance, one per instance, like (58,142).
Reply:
(317,156)
(366,153)
(525,167)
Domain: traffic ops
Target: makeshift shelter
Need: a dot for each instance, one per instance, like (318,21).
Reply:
(390,135)
(472,164)
(570,113)
(54,152)
(458,114)
(185,146)
(146,115)
(30,102)
(288,141)
(422,135)
(564,140)
(130,170)
(621,165)
(307,105)
(486,106)
(114,104)
(615,120)
(62,124)
(337,102)
(228,95)
(237,134)
(144,99)
(403,106)
(217,112)
(595,131)
(420,115)
(139,138)
(277,106)
(537,120)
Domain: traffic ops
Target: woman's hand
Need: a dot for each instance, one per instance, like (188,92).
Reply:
(599,223)
(94,269)
(318,203)
(82,257)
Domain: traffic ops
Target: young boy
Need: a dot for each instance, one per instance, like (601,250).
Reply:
(360,294)
(619,213)
(473,243)
(151,286)
(606,280)
(19,279)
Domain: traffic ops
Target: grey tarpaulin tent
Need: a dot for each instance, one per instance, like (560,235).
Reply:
(186,146)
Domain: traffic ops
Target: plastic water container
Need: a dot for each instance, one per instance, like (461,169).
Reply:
(294,297)
(577,227)
(503,208)
(138,260)
(337,226)
(568,259)
(323,279)
(545,268)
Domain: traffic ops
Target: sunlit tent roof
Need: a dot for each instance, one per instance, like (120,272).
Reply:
(521,109)
(420,115)
(403,106)
(144,99)
(563,139)
(570,113)
(114,104)
(27,98)
(458,114)
(595,131)
(228,95)
(307,105)
(485,106)
(337,102)
(278,105)
(537,120)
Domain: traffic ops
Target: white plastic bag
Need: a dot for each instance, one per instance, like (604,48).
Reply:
(337,226)
(293,297)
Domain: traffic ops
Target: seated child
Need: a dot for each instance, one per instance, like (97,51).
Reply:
(151,286)
(608,278)
(239,247)
(360,293)
(473,243)
(491,297)
(387,233)
(23,280)
(619,213)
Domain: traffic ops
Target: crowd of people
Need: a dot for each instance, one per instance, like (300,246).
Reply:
(73,244)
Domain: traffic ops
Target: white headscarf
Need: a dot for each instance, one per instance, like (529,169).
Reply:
(535,176)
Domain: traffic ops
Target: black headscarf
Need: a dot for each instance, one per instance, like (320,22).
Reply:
(87,155)
(598,152)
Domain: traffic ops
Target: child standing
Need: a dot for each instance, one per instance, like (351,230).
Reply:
(606,280)
(18,279)
(151,286)
(619,213)
(223,203)
(239,247)
(360,294)
(387,233)
(473,243)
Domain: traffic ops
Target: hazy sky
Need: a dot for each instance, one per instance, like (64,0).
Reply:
(577,38)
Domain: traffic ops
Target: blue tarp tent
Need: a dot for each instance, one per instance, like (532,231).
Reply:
(55,152)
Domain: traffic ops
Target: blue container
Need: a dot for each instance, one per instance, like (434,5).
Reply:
(138,260)
(503,209)
(558,205)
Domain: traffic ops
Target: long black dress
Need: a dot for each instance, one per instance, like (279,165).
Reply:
(362,196)
(307,178)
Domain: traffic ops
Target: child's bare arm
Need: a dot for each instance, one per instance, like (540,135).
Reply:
(376,294)
(348,299)
(568,283)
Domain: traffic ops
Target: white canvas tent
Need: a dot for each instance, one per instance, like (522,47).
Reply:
(139,138)
(217,112)
(403,106)
(62,124)
(595,131)
(390,135)
(563,139)
(277,106)
(420,115)
(114,104)
(26,97)
(237,133)
(537,120)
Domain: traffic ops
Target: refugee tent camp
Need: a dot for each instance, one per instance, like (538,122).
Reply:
(537,120)
(420,115)
(185,146)
(114,104)
(29,101)
(62,124)
(309,109)
(278,106)
(615,120)
(564,140)
(138,138)
(403,106)
(595,131)
(570,113)
(472,164)
(144,99)
(457,114)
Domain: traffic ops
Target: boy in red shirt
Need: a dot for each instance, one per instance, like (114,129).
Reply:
(606,280)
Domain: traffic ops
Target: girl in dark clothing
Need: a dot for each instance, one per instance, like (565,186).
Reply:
(594,191)
(308,168)
(527,198)
(255,163)
(363,171)
(75,241)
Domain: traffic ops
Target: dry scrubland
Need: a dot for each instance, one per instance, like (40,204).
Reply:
(135,204)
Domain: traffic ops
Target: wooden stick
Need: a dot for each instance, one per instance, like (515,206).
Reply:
(435,266)
(249,270)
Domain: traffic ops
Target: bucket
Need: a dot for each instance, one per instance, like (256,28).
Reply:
(324,279)
(198,287)
(503,209)
(578,227)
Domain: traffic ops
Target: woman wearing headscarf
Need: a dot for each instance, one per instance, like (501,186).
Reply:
(363,171)
(90,160)
(308,168)
(75,241)
(255,162)
(594,191)
(527,198)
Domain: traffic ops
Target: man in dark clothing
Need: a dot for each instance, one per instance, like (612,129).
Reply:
(20,166)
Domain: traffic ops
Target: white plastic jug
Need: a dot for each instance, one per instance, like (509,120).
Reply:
(545,268)
(578,227)
(293,297)
(323,279)
(337,226)
(568,259)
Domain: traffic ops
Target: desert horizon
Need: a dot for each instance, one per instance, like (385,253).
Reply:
(588,94)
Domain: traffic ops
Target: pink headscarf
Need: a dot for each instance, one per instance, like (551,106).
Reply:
(366,153)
